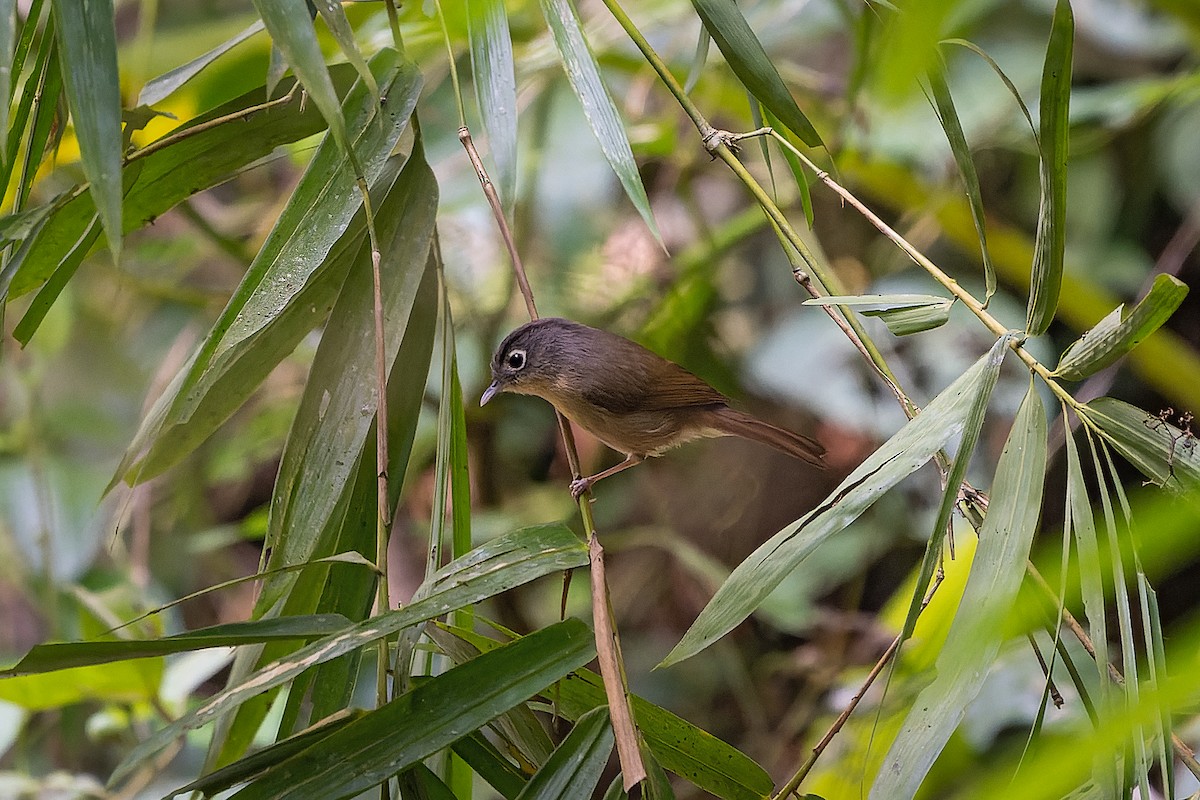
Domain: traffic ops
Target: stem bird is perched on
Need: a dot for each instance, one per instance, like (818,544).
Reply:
(633,400)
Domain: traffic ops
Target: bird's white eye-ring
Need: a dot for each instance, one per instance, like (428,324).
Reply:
(516,359)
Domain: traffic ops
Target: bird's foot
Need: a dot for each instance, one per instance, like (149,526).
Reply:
(579,486)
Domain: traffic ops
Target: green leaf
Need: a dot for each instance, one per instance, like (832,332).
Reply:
(124,682)
(335,19)
(8,41)
(261,760)
(287,289)
(158,89)
(575,766)
(496,90)
(165,175)
(496,567)
(902,313)
(753,67)
(52,288)
(1091,575)
(1054,125)
(682,748)
(338,407)
(943,103)
(942,421)
(1121,330)
(1162,452)
(87,43)
(690,752)
(439,711)
(490,764)
(584,76)
(977,631)
(291,29)
(63,655)
(954,482)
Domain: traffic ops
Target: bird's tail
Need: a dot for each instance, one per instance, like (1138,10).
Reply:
(736,423)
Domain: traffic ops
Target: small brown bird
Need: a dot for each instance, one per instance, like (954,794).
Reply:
(633,400)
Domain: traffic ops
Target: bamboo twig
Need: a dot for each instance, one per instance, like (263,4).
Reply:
(608,647)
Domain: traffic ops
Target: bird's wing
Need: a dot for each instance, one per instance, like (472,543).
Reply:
(666,385)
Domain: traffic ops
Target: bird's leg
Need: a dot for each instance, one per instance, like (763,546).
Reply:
(581,485)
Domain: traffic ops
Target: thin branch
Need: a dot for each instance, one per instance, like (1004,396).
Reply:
(608,648)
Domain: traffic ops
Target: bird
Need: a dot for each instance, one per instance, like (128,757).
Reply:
(630,398)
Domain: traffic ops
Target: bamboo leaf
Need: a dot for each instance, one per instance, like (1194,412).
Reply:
(583,73)
(63,655)
(8,41)
(490,764)
(488,570)
(575,766)
(976,633)
(167,175)
(943,103)
(1054,126)
(492,66)
(87,43)
(1122,330)
(1164,453)
(261,760)
(340,397)
(682,748)
(368,750)
(290,285)
(290,25)
(335,19)
(158,89)
(902,313)
(954,482)
(753,67)
(942,421)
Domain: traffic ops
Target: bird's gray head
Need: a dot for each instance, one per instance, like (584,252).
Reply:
(532,357)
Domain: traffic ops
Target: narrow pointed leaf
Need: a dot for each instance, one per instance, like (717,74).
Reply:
(291,29)
(688,751)
(339,402)
(942,421)
(977,631)
(699,58)
(156,182)
(275,305)
(63,655)
(584,75)
(335,19)
(88,51)
(1054,125)
(494,75)
(51,289)
(902,313)
(575,766)
(1122,330)
(439,711)
(1163,452)
(8,41)
(261,760)
(158,89)
(490,764)
(495,567)
(954,481)
(943,103)
(753,67)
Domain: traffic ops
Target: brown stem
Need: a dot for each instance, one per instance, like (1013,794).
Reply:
(608,650)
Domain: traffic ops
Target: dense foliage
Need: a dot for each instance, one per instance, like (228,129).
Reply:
(260,539)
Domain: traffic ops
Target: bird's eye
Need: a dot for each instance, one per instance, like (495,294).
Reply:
(516,359)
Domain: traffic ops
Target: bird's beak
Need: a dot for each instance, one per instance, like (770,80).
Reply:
(489,393)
